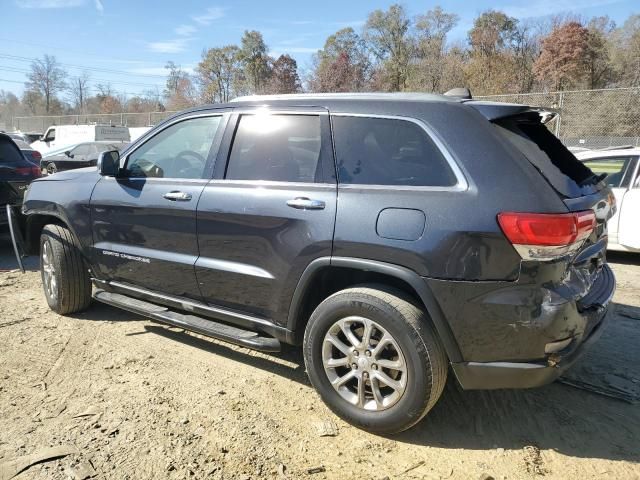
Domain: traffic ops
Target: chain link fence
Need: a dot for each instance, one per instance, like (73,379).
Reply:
(588,118)
(41,123)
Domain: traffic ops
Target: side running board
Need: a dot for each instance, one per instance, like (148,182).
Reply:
(210,328)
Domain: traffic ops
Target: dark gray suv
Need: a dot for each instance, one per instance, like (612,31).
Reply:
(392,235)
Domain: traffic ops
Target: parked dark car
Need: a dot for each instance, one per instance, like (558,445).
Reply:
(16,172)
(77,156)
(25,137)
(393,236)
(30,154)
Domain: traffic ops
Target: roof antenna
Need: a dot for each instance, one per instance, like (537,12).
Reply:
(461,92)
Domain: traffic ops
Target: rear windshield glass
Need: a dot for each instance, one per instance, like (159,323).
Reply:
(566,174)
(9,154)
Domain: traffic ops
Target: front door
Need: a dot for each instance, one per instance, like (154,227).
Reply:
(144,220)
(269,213)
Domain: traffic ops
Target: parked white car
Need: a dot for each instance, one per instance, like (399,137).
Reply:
(58,137)
(622,167)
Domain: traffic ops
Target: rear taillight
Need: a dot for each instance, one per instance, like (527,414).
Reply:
(36,155)
(33,170)
(547,236)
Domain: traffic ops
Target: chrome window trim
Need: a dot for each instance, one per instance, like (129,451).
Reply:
(279,111)
(635,179)
(271,183)
(461,181)
(159,180)
(145,138)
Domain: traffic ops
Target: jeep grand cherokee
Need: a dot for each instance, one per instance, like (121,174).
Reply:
(395,236)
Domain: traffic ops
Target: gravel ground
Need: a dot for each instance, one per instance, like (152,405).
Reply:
(140,400)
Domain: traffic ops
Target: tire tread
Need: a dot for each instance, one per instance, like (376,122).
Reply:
(75,285)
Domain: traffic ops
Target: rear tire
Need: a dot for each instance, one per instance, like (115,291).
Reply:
(404,368)
(65,277)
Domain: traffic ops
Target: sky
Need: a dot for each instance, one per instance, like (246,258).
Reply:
(127,42)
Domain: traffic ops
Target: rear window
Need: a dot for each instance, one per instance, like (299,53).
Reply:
(385,151)
(22,145)
(566,174)
(9,153)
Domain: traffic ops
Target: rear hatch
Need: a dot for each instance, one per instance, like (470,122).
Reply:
(582,191)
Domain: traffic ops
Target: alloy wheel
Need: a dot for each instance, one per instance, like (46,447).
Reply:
(49,272)
(364,363)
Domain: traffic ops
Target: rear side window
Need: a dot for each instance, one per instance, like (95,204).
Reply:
(9,153)
(81,150)
(280,148)
(613,167)
(384,151)
(566,174)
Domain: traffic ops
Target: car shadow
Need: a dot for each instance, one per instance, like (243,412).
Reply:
(624,258)
(287,363)
(8,260)
(571,421)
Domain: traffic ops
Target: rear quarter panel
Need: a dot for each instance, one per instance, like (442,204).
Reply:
(461,239)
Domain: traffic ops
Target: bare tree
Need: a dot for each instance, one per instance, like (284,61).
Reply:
(79,90)
(47,78)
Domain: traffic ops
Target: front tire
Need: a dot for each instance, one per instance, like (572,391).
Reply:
(65,278)
(375,358)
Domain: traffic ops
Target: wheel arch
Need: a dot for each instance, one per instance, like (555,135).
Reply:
(35,222)
(345,272)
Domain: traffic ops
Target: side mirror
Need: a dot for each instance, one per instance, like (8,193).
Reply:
(68,154)
(109,163)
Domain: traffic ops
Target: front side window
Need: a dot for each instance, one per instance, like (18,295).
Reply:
(281,148)
(179,151)
(613,167)
(384,151)
(51,135)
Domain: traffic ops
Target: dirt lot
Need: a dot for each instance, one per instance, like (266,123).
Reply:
(139,400)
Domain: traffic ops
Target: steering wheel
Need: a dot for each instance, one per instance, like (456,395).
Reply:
(187,167)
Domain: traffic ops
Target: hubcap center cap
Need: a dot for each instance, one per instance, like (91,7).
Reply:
(363,363)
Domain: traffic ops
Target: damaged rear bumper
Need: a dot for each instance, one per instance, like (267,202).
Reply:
(594,311)
(494,375)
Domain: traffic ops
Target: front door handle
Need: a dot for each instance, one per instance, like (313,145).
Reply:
(177,196)
(304,203)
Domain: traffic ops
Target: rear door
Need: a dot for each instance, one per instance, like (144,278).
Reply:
(144,220)
(269,212)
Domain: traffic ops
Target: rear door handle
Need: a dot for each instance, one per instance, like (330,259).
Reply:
(177,196)
(304,203)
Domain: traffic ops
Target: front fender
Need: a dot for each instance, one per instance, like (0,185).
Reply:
(66,201)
